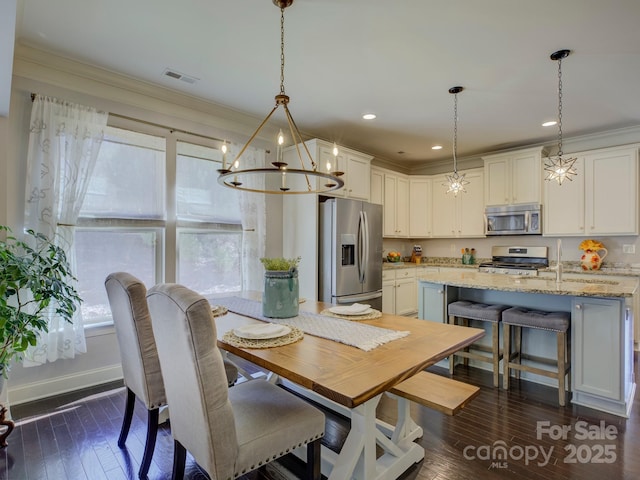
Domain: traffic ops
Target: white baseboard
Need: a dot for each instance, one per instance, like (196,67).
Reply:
(59,385)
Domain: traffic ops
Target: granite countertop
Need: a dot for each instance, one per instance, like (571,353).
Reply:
(579,287)
(435,262)
(622,270)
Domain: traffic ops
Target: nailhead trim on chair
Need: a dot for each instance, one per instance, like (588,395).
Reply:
(253,467)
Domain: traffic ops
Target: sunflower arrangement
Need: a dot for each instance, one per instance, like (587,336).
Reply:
(592,245)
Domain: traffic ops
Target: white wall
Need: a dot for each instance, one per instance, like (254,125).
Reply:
(40,72)
(4,127)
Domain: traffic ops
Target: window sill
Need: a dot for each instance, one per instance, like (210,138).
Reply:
(99,330)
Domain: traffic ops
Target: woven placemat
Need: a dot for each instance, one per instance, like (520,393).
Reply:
(219,310)
(293,336)
(354,318)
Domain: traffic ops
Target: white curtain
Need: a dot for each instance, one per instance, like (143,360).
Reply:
(253,217)
(64,142)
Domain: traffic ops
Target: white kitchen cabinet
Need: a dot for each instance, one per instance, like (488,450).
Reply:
(399,291)
(406,292)
(420,207)
(377,186)
(603,381)
(602,199)
(513,178)
(388,291)
(461,215)
(355,165)
(563,210)
(395,206)
(357,174)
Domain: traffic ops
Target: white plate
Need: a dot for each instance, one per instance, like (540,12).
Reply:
(262,331)
(359,314)
(355,309)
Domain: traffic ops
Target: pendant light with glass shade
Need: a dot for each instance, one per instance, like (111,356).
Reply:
(455,182)
(315,180)
(559,168)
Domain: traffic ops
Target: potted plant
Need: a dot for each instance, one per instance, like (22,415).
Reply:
(281,291)
(35,279)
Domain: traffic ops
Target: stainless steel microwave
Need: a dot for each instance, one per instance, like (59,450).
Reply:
(513,220)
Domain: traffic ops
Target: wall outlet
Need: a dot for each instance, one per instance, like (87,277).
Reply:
(628,249)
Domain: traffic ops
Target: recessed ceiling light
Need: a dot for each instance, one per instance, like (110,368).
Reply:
(550,123)
(369,116)
(436,147)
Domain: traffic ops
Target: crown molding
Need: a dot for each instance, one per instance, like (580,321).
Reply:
(54,69)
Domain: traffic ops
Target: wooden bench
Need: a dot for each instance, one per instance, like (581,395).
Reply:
(435,391)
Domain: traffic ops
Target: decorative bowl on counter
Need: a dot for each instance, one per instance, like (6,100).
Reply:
(394,257)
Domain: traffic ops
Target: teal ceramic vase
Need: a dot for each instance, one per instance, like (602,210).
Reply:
(281,293)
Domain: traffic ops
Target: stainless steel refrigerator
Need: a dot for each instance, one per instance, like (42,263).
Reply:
(350,263)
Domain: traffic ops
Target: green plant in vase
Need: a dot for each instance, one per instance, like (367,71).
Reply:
(281,290)
(280,263)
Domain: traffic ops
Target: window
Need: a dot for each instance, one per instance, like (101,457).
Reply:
(130,216)
(209,224)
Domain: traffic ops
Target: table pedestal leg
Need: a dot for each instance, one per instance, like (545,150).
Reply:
(357,458)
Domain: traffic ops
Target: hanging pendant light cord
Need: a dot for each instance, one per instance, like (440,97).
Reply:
(560,108)
(282,50)
(455,133)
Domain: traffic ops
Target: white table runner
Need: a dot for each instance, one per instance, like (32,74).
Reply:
(364,337)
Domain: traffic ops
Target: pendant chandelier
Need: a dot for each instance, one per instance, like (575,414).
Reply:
(281,179)
(558,168)
(455,182)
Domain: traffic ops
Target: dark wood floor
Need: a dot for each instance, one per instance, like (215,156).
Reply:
(74,437)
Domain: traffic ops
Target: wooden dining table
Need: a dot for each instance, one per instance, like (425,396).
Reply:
(352,381)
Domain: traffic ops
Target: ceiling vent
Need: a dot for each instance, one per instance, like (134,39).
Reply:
(169,72)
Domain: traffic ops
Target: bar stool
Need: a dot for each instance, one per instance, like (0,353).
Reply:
(552,321)
(466,311)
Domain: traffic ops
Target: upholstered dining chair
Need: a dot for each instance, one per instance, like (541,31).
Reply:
(140,365)
(228,431)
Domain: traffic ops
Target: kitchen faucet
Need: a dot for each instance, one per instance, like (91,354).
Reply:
(558,266)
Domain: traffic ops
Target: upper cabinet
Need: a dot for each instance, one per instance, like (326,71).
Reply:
(395,206)
(461,215)
(420,207)
(355,165)
(377,186)
(357,172)
(513,178)
(602,199)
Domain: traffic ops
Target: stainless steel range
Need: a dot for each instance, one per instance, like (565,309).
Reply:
(516,260)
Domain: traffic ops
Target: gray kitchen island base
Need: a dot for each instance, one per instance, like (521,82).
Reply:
(601,327)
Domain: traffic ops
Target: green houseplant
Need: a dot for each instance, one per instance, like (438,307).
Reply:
(280,263)
(34,278)
(281,291)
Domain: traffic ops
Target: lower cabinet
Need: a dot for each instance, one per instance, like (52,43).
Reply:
(399,292)
(603,380)
(431,302)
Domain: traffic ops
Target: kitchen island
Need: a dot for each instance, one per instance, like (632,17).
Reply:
(601,324)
